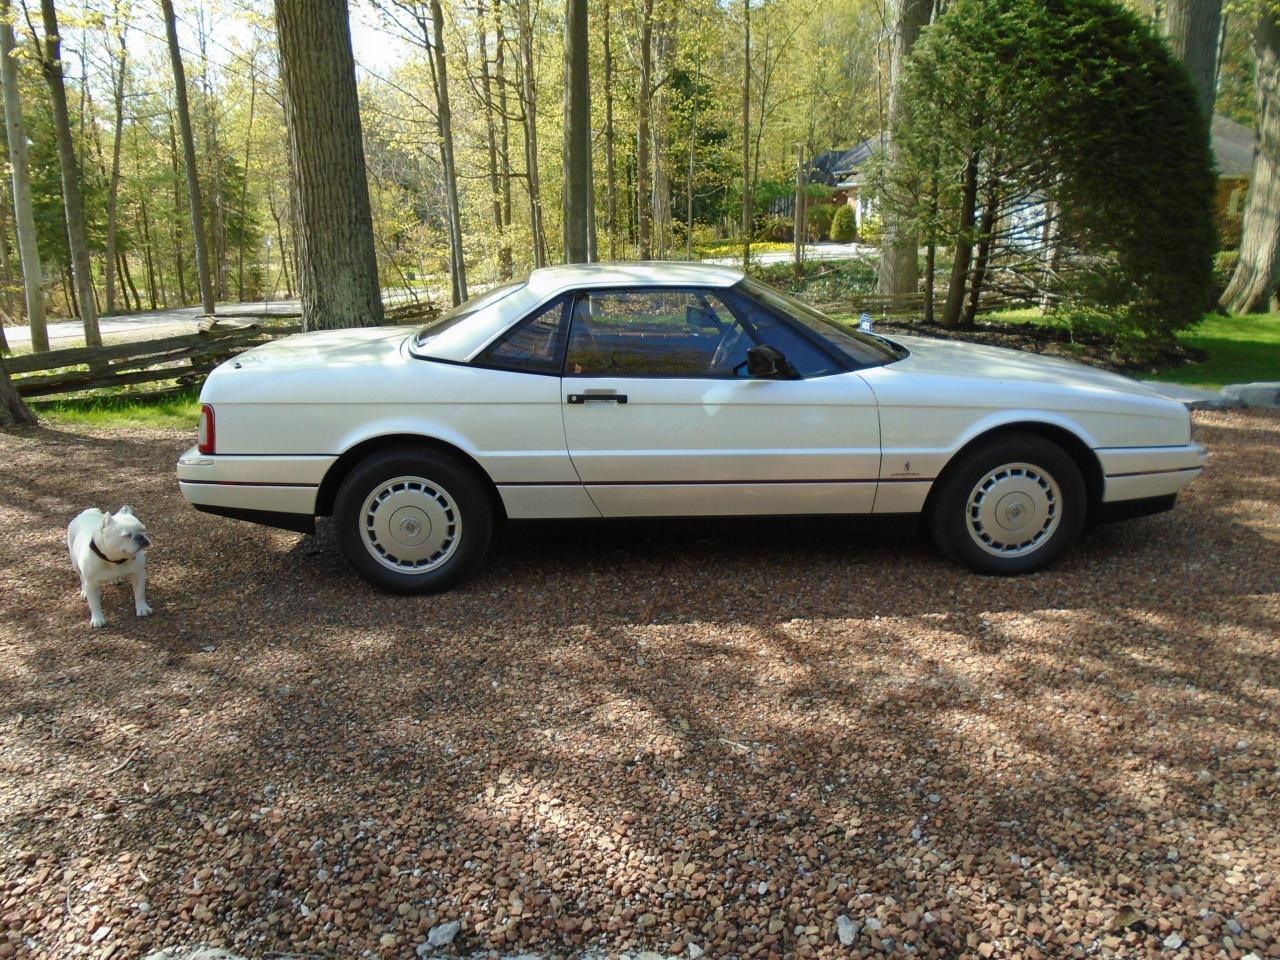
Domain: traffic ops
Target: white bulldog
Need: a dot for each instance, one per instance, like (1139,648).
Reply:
(107,547)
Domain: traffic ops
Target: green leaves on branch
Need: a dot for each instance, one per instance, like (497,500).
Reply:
(1090,148)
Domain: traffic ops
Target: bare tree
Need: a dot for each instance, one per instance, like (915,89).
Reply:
(644,95)
(23,215)
(198,235)
(119,64)
(899,265)
(444,116)
(82,278)
(1193,30)
(338,268)
(610,166)
(1253,285)
(529,96)
(497,175)
(578,197)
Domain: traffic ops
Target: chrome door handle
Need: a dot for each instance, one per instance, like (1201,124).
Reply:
(593,397)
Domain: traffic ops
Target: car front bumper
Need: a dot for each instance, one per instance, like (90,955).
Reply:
(1141,473)
(276,491)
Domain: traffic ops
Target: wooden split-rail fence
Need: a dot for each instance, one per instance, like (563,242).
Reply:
(176,363)
(182,362)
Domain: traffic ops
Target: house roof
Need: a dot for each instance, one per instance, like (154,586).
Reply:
(1232,147)
(834,166)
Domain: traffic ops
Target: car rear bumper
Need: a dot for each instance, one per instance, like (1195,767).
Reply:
(276,491)
(1142,473)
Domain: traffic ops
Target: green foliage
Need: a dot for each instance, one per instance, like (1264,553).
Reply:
(1080,106)
(872,230)
(844,225)
(778,229)
(819,216)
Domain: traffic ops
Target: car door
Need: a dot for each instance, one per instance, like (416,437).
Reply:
(661,418)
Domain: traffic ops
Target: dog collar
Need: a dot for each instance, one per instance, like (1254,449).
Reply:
(93,545)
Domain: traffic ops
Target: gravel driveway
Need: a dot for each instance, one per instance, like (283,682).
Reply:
(753,740)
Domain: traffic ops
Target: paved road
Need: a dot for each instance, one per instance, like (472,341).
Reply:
(143,326)
(815,251)
(162,323)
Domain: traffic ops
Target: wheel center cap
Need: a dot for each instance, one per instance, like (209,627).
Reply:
(1015,511)
(410,526)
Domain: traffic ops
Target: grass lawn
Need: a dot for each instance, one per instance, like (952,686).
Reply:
(1241,349)
(175,410)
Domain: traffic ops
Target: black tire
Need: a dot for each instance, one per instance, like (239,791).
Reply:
(1051,515)
(442,495)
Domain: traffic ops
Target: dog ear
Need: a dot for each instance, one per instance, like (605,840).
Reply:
(126,509)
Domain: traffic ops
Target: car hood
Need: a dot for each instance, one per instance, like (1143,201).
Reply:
(361,346)
(956,358)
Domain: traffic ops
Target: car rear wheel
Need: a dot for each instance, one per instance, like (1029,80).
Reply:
(1012,505)
(413,521)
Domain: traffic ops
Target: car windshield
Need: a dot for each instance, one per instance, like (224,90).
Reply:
(459,313)
(861,349)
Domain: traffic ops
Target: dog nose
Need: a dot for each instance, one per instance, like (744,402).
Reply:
(143,542)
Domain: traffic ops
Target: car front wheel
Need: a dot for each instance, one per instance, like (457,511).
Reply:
(1011,505)
(413,521)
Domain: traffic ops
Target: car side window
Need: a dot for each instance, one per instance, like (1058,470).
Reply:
(805,357)
(535,344)
(661,332)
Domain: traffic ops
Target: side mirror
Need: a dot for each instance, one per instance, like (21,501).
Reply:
(766,361)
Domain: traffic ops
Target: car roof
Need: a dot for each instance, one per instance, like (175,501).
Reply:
(657,273)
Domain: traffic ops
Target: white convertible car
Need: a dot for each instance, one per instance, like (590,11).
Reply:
(669,390)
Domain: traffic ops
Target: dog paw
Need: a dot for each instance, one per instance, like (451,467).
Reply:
(143,610)
(98,622)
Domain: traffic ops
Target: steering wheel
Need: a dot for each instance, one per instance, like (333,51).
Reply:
(727,349)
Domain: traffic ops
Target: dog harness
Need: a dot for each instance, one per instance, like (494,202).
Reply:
(93,545)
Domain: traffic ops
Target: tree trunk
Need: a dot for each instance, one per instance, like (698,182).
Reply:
(529,96)
(931,254)
(1253,285)
(688,182)
(113,190)
(13,412)
(129,287)
(798,217)
(644,209)
(1192,27)
(178,260)
(985,230)
(82,277)
(23,215)
(504,153)
(610,165)
(899,267)
(491,140)
(659,126)
(444,120)
(746,135)
(339,268)
(577,192)
(244,189)
(951,312)
(148,257)
(189,159)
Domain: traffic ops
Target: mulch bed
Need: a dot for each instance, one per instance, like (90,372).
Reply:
(1094,350)
(749,739)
